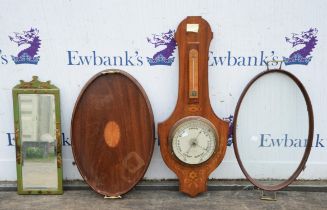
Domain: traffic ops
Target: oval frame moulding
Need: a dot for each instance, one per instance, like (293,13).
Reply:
(307,150)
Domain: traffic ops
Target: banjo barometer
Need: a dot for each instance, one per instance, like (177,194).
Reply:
(193,139)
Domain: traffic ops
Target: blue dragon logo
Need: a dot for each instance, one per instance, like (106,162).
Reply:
(163,57)
(32,41)
(308,40)
(230,120)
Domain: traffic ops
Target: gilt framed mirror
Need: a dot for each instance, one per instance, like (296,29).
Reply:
(37,137)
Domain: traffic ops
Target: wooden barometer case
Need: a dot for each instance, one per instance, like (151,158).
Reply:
(193,139)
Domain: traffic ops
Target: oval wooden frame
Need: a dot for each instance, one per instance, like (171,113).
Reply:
(301,166)
(142,91)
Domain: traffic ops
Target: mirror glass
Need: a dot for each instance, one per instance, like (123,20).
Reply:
(272,128)
(38,141)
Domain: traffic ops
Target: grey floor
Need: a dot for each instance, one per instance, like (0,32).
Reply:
(165,199)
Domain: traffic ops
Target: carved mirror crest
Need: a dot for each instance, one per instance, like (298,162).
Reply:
(38,137)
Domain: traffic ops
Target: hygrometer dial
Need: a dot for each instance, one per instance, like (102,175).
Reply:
(193,140)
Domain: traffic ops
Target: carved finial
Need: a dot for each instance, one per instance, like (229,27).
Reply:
(35,84)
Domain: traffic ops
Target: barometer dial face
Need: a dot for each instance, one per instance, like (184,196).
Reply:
(194,140)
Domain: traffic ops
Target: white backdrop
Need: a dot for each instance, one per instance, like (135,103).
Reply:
(72,31)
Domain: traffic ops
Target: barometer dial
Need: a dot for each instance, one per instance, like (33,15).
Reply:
(193,141)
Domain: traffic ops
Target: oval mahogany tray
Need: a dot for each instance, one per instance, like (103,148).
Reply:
(112,132)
